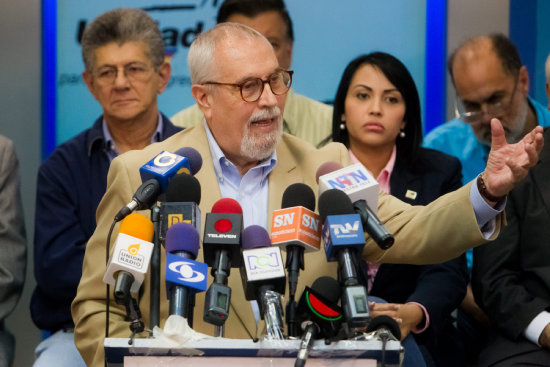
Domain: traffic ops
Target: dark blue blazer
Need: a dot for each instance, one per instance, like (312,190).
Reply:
(71,183)
(440,288)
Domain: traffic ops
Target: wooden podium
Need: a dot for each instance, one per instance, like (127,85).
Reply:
(222,352)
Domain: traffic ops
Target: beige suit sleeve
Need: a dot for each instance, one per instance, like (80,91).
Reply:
(430,234)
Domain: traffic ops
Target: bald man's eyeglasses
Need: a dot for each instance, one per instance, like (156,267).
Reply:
(495,106)
(252,88)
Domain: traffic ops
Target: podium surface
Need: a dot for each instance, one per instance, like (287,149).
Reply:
(244,352)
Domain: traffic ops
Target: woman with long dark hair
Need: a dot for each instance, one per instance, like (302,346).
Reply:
(377,116)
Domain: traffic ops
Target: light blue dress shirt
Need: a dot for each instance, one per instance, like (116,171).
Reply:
(250,190)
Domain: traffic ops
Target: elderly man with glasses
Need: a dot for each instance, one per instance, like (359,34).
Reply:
(240,87)
(490,82)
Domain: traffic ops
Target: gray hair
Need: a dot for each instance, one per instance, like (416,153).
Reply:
(121,26)
(201,53)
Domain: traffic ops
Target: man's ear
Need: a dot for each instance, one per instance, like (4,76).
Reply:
(202,95)
(164,72)
(523,80)
(89,80)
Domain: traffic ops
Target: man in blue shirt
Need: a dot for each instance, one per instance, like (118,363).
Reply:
(123,53)
(490,81)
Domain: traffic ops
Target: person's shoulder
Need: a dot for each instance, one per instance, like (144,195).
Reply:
(74,149)
(435,158)
(188,117)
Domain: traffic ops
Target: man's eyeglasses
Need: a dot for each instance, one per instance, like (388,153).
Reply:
(472,112)
(133,72)
(252,88)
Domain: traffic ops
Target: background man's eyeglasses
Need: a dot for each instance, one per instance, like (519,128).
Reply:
(471,113)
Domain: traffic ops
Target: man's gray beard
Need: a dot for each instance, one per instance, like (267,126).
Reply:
(259,148)
(512,136)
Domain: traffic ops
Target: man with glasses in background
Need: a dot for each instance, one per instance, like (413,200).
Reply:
(490,81)
(123,55)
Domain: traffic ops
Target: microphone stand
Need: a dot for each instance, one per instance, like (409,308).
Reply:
(155,271)
(294,260)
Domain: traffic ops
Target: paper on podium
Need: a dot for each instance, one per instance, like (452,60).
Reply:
(176,335)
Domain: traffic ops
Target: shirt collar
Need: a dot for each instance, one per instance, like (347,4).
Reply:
(385,175)
(110,146)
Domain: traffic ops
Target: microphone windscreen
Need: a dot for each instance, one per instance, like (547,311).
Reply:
(334,202)
(183,188)
(195,159)
(182,237)
(327,168)
(298,194)
(227,205)
(384,321)
(327,287)
(255,236)
(137,225)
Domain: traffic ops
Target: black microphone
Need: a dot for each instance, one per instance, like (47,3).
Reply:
(384,328)
(263,278)
(144,197)
(222,251)
(182,199)
(195,159)
(320,314)
(184,276)
(344,241)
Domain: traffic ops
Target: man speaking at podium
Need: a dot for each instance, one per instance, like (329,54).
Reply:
(239,86)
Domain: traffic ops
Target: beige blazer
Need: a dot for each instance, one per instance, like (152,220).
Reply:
(429,234)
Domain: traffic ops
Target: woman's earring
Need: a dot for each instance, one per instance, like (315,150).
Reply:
(342,126)
(402,133)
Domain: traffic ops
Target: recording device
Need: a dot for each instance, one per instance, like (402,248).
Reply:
(222,251)
(263,278)
(296,228)
(362,189)
(321,315)
(344,241)
(184,276)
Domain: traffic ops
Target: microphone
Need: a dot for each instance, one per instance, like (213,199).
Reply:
(163,167)
(296,228)
(183,196)
(222,251)
(155,176)
(144,197)
(321,314)
(384,328)
(362,189)
(184,276)
(195,159)
(131,255)
(263,278)
(344,241)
